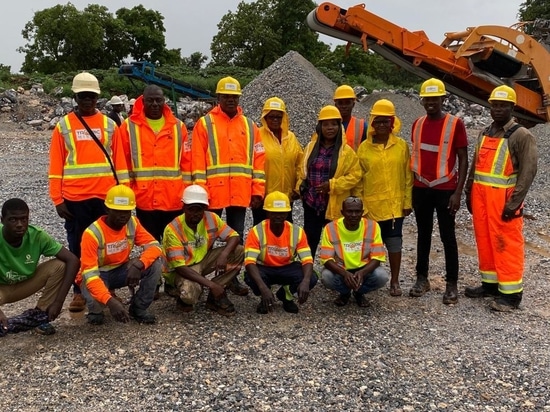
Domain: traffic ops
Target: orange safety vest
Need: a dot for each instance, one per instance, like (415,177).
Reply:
(367,238)
(78,168)
(156,166)
(354,132)
(443,150)
(233,167)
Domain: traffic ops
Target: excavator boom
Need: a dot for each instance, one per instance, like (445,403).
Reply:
(471,63)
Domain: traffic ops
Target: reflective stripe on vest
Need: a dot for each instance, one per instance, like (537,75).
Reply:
(237,169)
(211,229)
(148,172)
(443,150)
(262,238)
(358,128)
(367,237)
(97,231)
(500,173)
(74,170)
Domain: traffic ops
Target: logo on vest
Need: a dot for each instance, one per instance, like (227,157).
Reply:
(352,247)
(116,247)
(278,251)
(82,134)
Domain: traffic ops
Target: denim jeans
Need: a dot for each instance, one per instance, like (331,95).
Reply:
(373,281)
(425,201)
(290,275)
(116,279)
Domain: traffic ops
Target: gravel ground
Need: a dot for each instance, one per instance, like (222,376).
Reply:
(401,354)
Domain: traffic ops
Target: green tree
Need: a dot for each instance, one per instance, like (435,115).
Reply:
(530,10)
(260,32)
(195,61)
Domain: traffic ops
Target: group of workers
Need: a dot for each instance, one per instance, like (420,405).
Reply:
(148,182)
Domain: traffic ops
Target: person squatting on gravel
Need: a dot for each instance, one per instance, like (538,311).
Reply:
(329,172)
(106,264)
(277,253)
(188,244)
(283,154)
(351,252)
(386,186)
(21,276)
(228,159)
(79,172)
(503,169)
(355,128)
(438,140)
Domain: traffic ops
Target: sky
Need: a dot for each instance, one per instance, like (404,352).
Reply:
(190,25)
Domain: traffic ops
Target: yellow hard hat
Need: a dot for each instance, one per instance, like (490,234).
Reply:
(85,82)
(344,92)
(329,112)
(228,85)
(120,197)
(503,93)
(383,107)
(277,202)
(274,103)
(432,87)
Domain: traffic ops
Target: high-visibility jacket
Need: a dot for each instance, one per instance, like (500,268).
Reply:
(264,248)
(352,250)
(386,185)
(444,171)
(282,160)
(346,177)
(78,167)
(228,158)
(355,131)
(104,249)
(500,243)
(158,163)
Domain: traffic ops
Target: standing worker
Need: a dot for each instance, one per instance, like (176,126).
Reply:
(504,166)
(82,167)
(117,107)
(155,144)
(438,140)
(386,186)
(228,160)
(283,154)
(356,129)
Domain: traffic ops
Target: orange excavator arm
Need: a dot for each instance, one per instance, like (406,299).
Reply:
(471,63)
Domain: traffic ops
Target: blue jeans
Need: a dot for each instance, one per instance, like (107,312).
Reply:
(290,275)
(116,279)
(374,280)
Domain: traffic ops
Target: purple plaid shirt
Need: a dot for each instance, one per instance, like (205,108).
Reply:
(318,173)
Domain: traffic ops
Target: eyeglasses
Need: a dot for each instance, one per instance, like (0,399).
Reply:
(86,95)
(274,118)
(352,199)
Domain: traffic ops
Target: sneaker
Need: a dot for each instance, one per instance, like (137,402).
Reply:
(451,294)
(142,315)
(288,305)
(182,306)
(45,329)
(78,304)
(481,291)
(95,318)
(237,288)
(421,286)
(223,305)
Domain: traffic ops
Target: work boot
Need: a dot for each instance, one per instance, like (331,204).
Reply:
(507,302)
(95,318)
(78,304)
(288,305)
(483,291)
(421,286)
(182,306)
(450,297)
(237,288)
(142,315)
(223,305)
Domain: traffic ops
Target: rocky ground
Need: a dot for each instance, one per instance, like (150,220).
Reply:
(401,354)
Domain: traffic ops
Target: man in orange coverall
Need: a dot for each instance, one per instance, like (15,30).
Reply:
(113,237)
(504,166)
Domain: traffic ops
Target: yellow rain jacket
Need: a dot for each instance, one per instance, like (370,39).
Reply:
(386,185)
(282,159)
(346,177)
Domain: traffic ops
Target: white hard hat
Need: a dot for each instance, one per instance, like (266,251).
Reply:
(195,194)
(115,100)
(132,102)
(85,82)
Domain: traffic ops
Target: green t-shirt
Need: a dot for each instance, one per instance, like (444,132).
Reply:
(19,263)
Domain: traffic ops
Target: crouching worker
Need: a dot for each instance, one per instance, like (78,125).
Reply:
(21,246)
(188,243)
(277,253)
(106,264)
(351,251)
